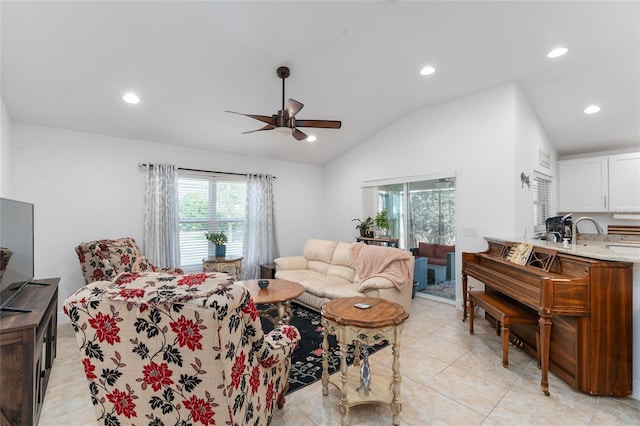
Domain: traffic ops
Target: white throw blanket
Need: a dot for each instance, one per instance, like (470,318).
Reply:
(377,261)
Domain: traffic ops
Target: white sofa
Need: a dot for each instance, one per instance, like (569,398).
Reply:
(326,271)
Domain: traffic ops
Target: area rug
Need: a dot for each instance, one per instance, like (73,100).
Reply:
(446,290)
(306,361)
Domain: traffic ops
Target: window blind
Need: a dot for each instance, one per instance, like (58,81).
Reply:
(209,203)
(541,201)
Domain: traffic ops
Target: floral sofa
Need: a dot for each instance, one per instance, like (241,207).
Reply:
(105,259)
(166,349)
(331,269)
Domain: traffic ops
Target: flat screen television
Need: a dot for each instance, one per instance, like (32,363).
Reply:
(16,249)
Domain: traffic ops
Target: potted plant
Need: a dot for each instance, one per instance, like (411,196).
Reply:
(364,226)
(219,240)
(382,222)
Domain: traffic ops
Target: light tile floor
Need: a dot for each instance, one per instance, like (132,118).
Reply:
(448,377)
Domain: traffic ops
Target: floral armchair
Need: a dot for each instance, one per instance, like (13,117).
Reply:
(105,259)
(166,349)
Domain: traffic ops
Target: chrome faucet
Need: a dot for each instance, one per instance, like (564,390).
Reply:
(574,228)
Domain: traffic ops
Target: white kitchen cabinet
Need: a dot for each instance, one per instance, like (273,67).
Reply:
(624,182)
(583,185)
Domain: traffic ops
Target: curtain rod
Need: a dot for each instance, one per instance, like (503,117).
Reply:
(203,171)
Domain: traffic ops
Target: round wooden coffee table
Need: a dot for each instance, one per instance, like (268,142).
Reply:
(277,296)
(381,321)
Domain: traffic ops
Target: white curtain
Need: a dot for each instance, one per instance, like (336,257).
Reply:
(161,232)
(260,242)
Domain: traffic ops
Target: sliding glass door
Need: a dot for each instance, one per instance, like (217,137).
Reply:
(432,215)
(391,199)
(426,215)
(422,210)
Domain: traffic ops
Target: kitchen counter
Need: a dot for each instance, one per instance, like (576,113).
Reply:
(604,247)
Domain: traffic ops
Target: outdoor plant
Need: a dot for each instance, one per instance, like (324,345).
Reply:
(364,226)
(382,220)
(218,239)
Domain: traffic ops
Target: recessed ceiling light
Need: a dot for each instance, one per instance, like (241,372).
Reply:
(559,51)
(428,70)
(131,98)
(591,109)
(311,138)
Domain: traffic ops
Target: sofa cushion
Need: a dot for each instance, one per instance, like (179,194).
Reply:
(437,261)
(442,250)
(291,263)
(297,275)
(374,282)
(341,264)
(344,272)
(350,290)
(321,250)
(319,286)
(426,250)
(342,255)
(318,266)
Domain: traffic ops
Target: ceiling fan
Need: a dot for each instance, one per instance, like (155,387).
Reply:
(285,122)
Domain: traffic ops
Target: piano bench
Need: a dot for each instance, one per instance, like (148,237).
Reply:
(507,313)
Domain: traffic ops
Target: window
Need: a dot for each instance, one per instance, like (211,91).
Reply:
(209,203)
(541,201)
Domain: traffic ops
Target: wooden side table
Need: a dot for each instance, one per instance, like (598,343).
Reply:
(277,296)
(382,321)
(231,265)
(268,271)
(381,241)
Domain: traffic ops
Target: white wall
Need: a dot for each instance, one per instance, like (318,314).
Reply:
(529,138)
(474,136)
(5,152)
(87,186)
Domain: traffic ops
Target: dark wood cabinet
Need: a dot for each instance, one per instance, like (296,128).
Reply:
(27,351)
(268,271)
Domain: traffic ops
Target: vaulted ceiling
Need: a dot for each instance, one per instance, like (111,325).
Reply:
(67,65)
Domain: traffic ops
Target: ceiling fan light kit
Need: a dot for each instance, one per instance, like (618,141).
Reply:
(284,122)
(283,131)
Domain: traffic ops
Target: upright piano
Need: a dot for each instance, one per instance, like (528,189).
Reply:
(584,307)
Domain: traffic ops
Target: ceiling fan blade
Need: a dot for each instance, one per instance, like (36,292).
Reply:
(299,135)
(266,127)
(264,118)
(323,124)
(294,107)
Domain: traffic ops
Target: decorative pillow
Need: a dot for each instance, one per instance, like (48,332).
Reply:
(441,251)
(426,250)
(122,253)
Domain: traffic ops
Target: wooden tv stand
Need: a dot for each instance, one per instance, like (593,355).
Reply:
(27,350)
